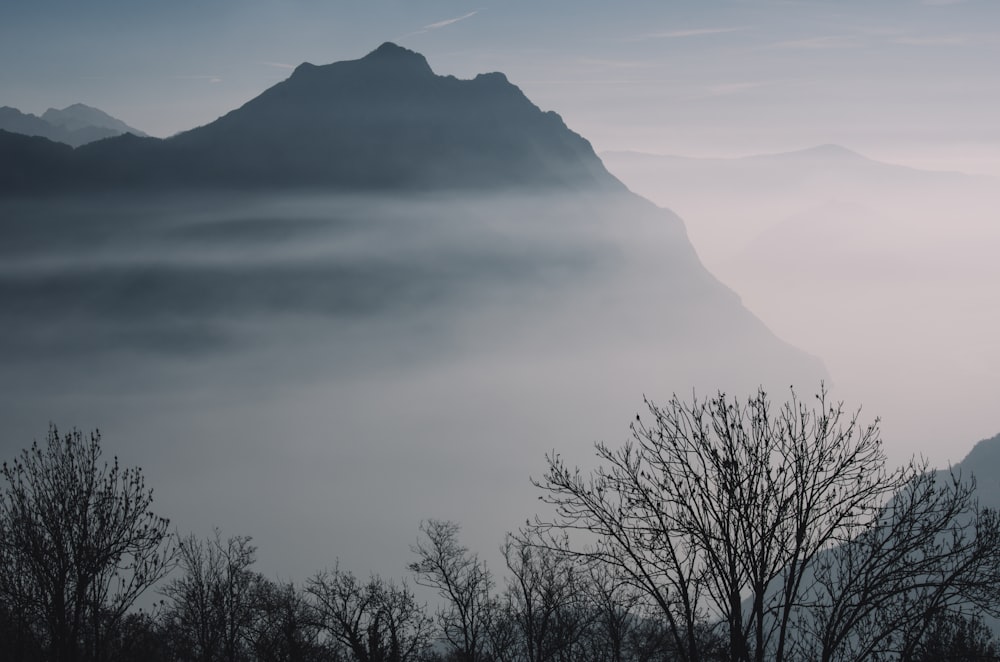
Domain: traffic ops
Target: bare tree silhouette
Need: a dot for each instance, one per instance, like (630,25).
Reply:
(78,543)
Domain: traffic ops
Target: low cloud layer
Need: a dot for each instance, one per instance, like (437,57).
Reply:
(332,370)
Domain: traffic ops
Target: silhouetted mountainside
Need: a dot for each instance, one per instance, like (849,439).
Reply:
(386,121)
(32,163)
(983,462)
(74,125)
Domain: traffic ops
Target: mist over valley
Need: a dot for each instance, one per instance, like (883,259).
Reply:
(362,360)
(886,272)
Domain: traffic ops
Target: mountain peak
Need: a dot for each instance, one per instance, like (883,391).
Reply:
(80,116)
(389,49)
(390,54)
(387,62)
(493,77)
(81,107)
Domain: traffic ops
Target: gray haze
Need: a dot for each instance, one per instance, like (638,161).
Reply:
(323,372)
(888,273)
(326,420)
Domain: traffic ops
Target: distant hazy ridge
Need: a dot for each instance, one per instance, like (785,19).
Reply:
(74,125)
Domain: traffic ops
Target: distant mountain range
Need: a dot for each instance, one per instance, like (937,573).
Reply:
(385,121)
(74,125)
(728,202)
(888,272)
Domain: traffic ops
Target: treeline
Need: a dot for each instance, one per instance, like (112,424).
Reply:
(723,531)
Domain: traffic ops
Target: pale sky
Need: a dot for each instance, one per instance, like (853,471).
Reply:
(909,81)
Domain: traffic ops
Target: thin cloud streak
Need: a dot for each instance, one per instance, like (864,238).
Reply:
(944,40)
(695,32)
(830,42)
(729,89)
(278,65)
(450,21)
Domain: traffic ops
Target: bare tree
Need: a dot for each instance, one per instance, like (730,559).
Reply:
(211,607)
(955,637)
(375,622)
(549,599)
(465,583)
(139,638)
(930,554)
(722,512)
(285,628)
(617,612)
(21,636)
(78,543)
(503,631)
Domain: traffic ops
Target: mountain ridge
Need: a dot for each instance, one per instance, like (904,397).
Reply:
(830,153)
(80,116)
(384,121)
(75,125)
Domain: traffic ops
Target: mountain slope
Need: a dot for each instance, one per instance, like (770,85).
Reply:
(983,462)
(385,121)
(14,121)
(762,190)
(32,164)
(386,124)
(886,271)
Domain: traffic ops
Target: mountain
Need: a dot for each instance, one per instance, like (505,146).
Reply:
(983,462)
(461,287)
(385,121)
(13,120)
(80,117)
(886,271)
(762,190)
(383,126)
(74,125)
(31,163)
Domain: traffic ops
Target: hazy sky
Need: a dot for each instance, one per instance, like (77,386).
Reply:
(911,81)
